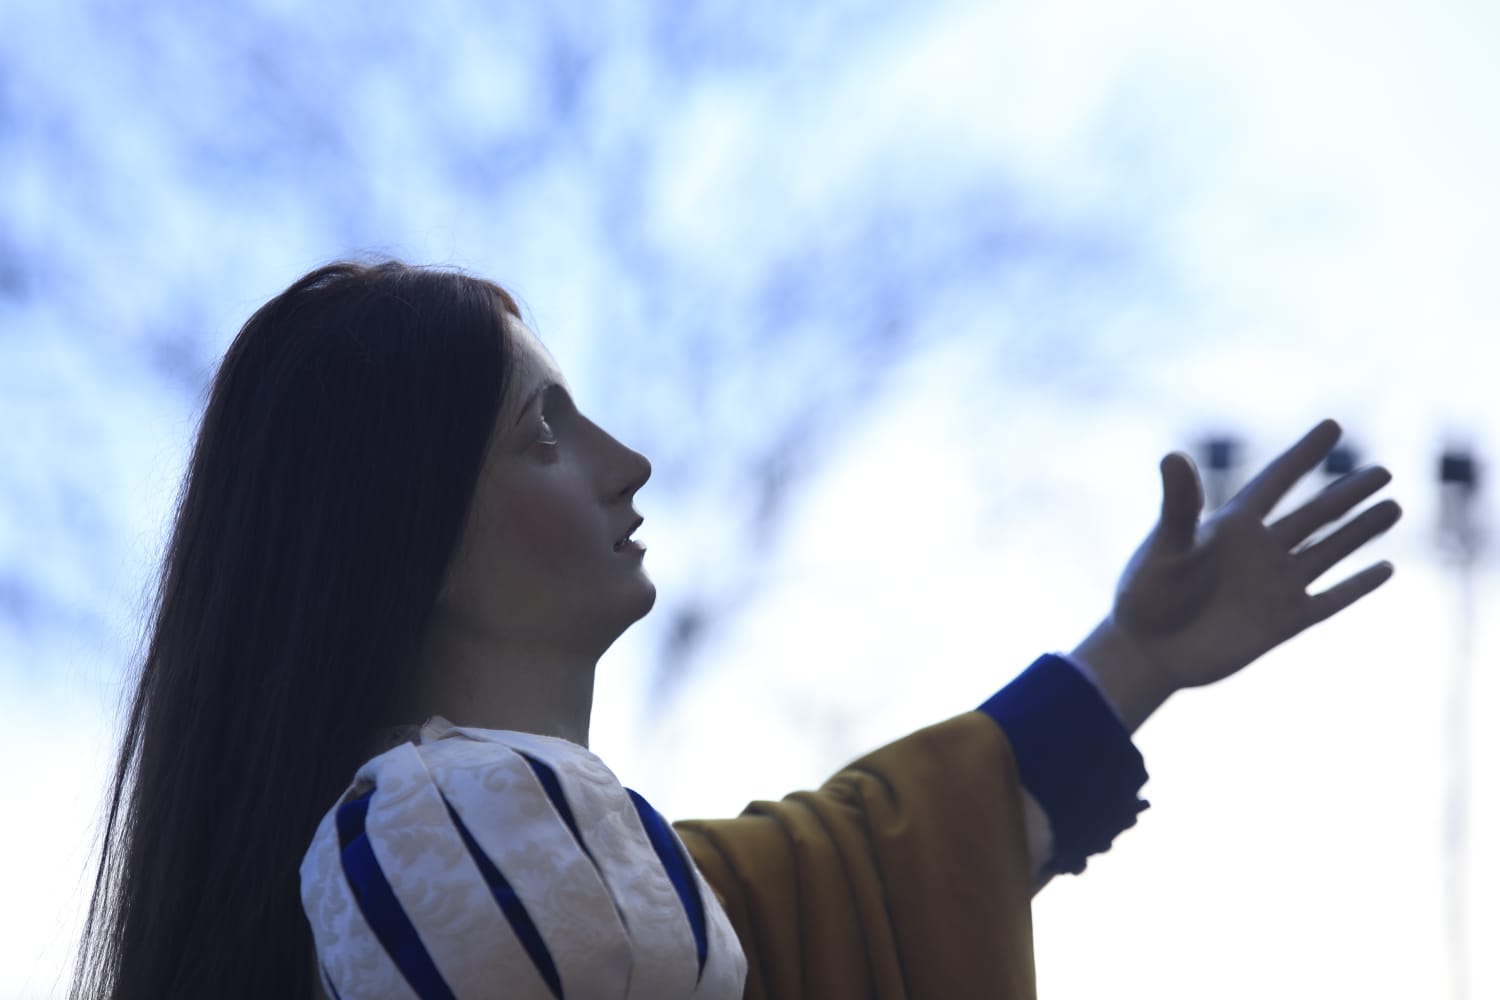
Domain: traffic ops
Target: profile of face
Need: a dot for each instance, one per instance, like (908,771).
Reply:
(546,562)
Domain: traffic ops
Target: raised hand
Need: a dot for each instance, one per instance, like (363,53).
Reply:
(1199,601)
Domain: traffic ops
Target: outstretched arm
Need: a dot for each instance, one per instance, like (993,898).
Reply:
(1200,600)
(908,871)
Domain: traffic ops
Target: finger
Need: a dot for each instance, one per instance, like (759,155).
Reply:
(1181,502)
(1338,597)
(1265,490)
(1319,558)
(1330,505)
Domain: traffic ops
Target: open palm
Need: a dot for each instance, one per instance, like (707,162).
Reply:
(1201,600)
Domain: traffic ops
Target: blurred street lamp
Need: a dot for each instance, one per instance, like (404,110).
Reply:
(1458,480)
(1458,483)
(1341,461)
(1221,455)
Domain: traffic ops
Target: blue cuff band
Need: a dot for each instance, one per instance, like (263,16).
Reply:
(1074,756)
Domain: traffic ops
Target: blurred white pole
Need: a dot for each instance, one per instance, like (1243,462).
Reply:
(1459,484)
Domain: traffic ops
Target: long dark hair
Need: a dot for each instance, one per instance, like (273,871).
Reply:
(330,480)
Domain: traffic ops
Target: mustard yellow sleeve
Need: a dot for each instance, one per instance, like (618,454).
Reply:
(905,876)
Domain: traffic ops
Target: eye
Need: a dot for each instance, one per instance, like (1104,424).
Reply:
(545,434)
(551,413)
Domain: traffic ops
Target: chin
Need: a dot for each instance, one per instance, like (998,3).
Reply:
(628,608)
(645,600)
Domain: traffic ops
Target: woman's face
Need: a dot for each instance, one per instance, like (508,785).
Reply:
(545,557)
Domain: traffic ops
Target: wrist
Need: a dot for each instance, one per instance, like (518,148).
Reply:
(1123,673)
(1074,759)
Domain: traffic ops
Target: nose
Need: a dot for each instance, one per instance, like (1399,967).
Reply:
(635,470)
(627,468)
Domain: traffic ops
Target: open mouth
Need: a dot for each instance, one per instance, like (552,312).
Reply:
(628,542)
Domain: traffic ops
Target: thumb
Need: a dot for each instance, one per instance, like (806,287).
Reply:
(1181,502)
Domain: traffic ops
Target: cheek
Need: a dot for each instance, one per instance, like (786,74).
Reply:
(539,527)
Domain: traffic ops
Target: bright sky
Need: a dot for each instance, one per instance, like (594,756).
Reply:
(1098,231)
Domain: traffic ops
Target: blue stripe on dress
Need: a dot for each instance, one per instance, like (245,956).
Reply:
(670,854)
(328,984)
(392,927)
(553,788)
(511,905)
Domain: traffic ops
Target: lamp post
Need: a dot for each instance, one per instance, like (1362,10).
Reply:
(1458,481)
(1341,461)
(1220,454)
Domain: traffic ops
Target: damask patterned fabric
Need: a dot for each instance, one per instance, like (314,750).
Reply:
(479,863)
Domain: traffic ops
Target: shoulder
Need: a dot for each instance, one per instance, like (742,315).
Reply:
(493,852)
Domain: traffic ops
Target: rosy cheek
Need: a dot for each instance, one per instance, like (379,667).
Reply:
(539,526)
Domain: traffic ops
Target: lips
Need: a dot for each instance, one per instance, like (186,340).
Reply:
(625,539)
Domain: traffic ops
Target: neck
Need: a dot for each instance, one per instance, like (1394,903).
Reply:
(494,684)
